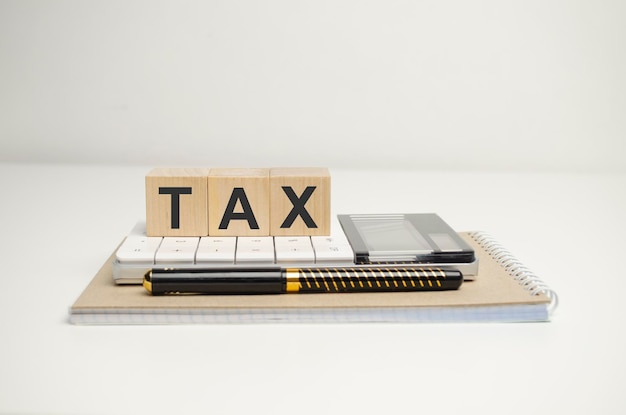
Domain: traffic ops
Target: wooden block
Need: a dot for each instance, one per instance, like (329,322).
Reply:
(176,202)
(300,201)
(239,202)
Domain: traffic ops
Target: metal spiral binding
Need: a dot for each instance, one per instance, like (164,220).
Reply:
(515,268)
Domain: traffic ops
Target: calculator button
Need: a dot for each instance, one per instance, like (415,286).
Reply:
(218,250)
(178,250)
(332,250)
(178,242)
(294,249)
(138,249)
(254,249)
(292,241)
(334,240)
(256,241)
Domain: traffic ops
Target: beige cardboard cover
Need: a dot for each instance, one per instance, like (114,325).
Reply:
(493,288)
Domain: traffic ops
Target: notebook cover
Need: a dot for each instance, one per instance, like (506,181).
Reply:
(492,288)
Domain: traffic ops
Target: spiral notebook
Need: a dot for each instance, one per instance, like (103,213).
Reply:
(503,291)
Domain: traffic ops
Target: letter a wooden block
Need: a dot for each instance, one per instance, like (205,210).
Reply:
(300,201)
(239,202)
(176,202)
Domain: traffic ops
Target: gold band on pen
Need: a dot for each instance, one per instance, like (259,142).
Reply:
(293,280)
(147,281)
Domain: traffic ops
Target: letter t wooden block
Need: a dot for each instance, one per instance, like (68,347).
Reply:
(300,200)
(176,202)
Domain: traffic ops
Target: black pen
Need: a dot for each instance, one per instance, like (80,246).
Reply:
(299,280)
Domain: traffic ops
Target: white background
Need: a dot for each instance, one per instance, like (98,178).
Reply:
(506,117)
(412,84)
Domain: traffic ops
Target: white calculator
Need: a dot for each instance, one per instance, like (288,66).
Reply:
(140,253)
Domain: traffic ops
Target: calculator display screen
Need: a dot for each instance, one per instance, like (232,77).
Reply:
(395,235)
(404,238)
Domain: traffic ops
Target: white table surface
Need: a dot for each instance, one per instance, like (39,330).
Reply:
(59,224)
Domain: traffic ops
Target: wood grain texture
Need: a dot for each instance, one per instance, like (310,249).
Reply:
(161,196)
(239,202)
(305,189)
